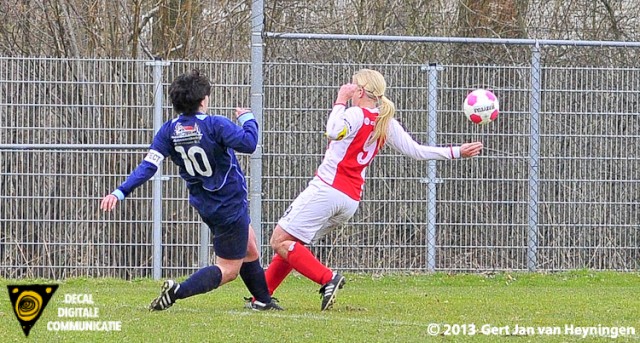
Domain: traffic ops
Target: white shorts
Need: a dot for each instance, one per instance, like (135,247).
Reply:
(316,211)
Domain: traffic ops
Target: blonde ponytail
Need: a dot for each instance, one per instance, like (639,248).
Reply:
(387,111)
(374,86)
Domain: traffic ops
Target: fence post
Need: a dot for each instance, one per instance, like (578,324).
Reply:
(158,96)
(255,165)
(431,180)
(534,160)
(203,250)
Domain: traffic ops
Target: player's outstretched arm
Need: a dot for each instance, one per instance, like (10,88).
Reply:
(143,172)
(470,149)
(401,141)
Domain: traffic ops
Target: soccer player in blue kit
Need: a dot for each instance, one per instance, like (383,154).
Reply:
(202,146)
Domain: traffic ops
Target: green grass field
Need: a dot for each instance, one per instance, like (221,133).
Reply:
(391,308)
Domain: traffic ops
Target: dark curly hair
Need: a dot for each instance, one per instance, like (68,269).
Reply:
(187,92)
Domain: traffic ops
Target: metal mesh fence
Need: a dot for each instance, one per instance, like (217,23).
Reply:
(51,225)
(481,208)
(586,136)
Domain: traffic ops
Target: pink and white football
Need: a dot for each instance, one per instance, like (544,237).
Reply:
(481,106)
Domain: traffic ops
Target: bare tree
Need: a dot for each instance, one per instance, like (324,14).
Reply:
(220,29)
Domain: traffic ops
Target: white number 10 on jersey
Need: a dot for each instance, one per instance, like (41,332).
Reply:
(192,164)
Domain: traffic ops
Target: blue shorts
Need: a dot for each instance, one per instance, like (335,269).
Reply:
(230,240)
(227,215)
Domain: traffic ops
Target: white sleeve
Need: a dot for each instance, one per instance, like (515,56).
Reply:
(400,140)
(342,122)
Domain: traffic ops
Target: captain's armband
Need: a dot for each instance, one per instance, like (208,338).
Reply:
(154,157)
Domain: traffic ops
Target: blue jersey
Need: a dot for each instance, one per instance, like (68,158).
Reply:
(202,146)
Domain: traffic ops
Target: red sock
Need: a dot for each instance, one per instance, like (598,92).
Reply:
(278,270)
(302,260)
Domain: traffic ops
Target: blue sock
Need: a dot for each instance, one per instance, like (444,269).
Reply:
(253,276)
(202,281)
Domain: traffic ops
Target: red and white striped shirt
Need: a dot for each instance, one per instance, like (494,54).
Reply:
(348,154)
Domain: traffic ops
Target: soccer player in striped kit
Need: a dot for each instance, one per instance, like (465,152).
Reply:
(202,146)
(356,134)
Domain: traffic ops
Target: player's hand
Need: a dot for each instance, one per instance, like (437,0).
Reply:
(241,110)
(346,92)
(470,149)
(109,203)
